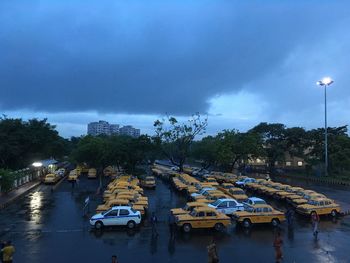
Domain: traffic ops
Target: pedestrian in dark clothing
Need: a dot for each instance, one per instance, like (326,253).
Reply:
(172,224)
(277,243)
(114,259)
(154,221)
(290,217)
(7,252)
(315,219)
(213,256)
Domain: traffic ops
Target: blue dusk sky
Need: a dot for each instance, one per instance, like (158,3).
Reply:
(131,62)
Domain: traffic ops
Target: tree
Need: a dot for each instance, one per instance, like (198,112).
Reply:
(237,148)
(206,150)
(176,138)
(6,180)
(22,142)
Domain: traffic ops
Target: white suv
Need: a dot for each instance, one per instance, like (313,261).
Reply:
(117,216)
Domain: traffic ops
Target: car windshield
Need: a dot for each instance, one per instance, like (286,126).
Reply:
(186,208)
(216,203)
(105,212)
(133,210)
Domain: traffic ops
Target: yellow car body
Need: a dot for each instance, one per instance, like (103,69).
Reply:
(322,206)
(92,173)
(73,175)
(256,214)
(149,182)
(238,194)
(288,192)
(225,187)
(187,208)
(202,217)
(51,179)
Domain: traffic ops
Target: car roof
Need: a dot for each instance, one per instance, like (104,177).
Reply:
(120,207)
(227,199)
(195,203)
(205,209)
(256,199)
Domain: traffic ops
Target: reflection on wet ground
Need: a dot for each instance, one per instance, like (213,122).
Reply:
(51,227)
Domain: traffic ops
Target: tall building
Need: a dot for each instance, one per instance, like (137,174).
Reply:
(103,127)
(129,130)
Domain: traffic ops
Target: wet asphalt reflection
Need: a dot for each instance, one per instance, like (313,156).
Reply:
(50,227)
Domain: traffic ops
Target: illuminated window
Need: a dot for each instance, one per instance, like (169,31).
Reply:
(300,163)
(288,163)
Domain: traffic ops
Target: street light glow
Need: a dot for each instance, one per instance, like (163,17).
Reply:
(326,81)
(37,164)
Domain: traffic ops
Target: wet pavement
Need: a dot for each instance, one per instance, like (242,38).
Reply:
(50,227)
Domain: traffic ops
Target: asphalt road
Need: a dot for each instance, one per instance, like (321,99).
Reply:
(50,227)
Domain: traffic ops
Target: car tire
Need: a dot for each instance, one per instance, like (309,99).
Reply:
(219,227)
(131,224)
(334,213)
(275,222)
(98,225)
(247,223)
(187,228)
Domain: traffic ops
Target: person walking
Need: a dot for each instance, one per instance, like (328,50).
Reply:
(7,252)
(290,217)
(277,243)
(315,219)
(213,256)
(114,259)
(172,225)
(154,221)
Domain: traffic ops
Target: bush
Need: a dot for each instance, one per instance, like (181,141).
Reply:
(7,179)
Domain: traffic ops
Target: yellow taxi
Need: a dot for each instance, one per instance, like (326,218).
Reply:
(202,217)
(225,187)
(287,192)
(211,180)
(73,175)
(238,194)
(187,208)
(305,197)
(271,189)
(149,182)
(259,213)
(206,193)
(254,185)
(322,206)
(51,179)
(92,173)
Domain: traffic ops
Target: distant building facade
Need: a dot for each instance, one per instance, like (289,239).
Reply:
(129,130)
(104,128)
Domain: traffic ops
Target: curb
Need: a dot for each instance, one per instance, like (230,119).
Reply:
(4,205)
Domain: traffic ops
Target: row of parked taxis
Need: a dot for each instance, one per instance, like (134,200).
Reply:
(54,177)
(216,200)
(304,201)
(123,204)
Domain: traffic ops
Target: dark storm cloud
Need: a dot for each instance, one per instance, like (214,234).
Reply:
(148,56)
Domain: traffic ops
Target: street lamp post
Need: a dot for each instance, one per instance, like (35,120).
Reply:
(325,82)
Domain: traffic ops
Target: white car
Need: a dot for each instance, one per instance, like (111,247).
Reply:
(227,206)
(117,216)
(244,181)
(203,191)
(254,201)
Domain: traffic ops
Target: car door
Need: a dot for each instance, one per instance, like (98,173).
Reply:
(123,217)
(233,207)
(200,220)
(110,218)
(222,207)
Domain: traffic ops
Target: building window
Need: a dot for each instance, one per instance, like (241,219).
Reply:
(300,163)
(288,163)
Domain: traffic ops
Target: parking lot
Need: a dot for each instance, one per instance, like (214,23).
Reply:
(49,226)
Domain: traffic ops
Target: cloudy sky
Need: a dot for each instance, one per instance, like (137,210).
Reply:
(131,62)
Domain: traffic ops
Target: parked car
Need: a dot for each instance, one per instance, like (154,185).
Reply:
(202,217)
(257,214)
(322,206)
(187,208)
(117,216)
(238,194)
(244,181)
(254,201)
(227,206)
(202,191)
